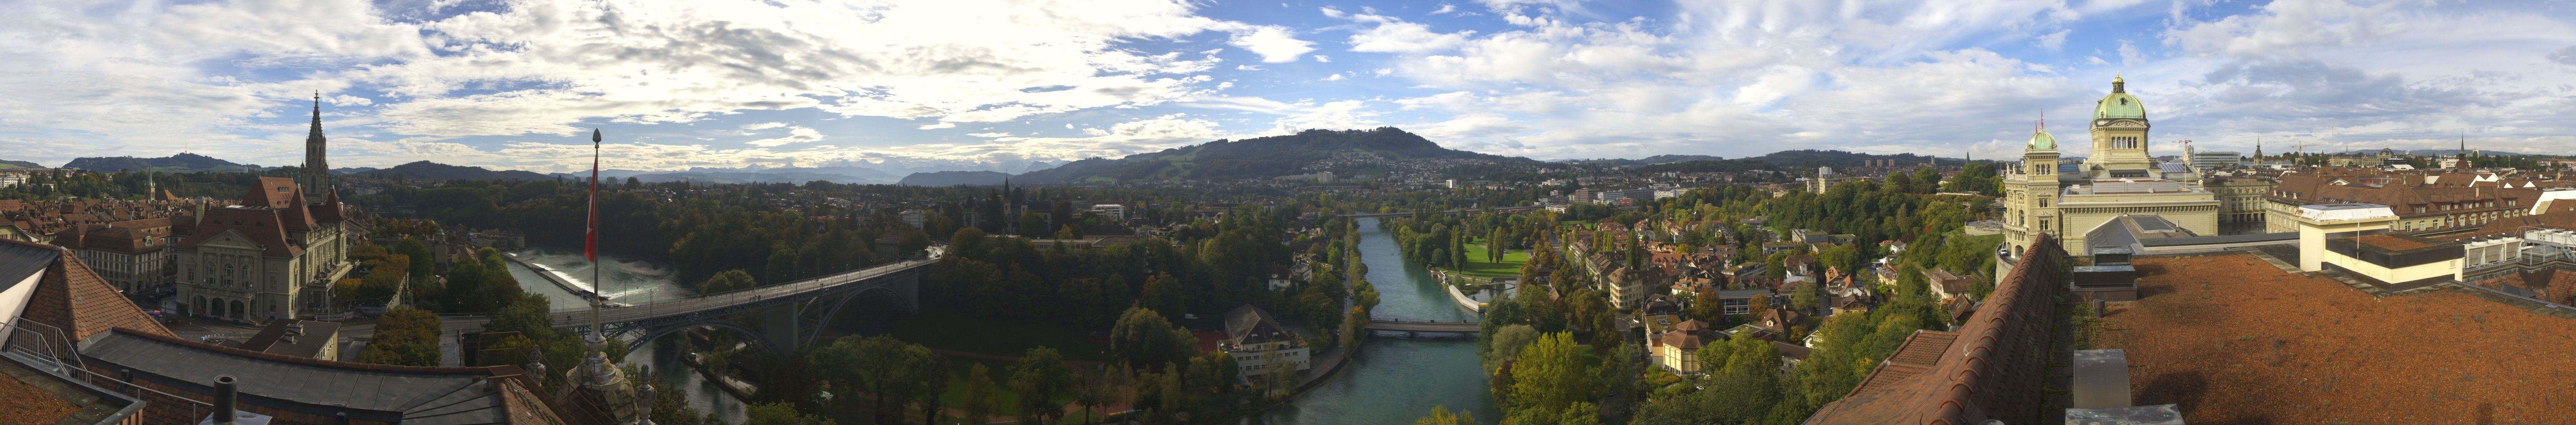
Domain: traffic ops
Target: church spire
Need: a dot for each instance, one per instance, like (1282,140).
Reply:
(317,171)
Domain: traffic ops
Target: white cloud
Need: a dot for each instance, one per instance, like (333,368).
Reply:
(2052,41)
(794,135)
(1397,36)
(997,134)
(1275,44)
(1322,58)
(937,125)
(764,126)
(1334,77)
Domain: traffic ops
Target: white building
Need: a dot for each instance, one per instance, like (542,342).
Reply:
(1113,211)
(2211,160)
(1256,342)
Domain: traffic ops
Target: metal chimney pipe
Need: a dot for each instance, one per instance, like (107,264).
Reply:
(225,396)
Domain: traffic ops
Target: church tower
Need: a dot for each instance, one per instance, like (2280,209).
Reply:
(2119,133)
(2031,193)
(317,172)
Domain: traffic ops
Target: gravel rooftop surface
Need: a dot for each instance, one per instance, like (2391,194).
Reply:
(25,404)
(2236,341)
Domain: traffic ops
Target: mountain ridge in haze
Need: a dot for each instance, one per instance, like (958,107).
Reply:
(426,170)
(1260,157)
(180,163)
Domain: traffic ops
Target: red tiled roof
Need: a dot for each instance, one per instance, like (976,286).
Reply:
(74,298)
(1996,372)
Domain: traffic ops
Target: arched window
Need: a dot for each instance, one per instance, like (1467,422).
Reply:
(237,309)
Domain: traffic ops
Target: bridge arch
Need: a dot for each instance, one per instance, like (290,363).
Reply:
(746,332)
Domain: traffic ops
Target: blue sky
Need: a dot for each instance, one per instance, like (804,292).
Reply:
(967,84)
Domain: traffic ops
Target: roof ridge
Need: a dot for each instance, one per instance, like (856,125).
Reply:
(371,367)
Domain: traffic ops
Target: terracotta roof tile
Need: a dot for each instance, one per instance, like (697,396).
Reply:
(1996,373)
(74,298)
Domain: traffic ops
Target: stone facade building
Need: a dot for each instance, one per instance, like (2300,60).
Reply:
(2042,196)
(273,256)
(131,254)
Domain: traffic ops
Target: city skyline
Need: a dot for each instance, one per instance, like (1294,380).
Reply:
(510,86)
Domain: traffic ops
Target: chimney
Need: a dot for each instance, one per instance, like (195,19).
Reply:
(225,396)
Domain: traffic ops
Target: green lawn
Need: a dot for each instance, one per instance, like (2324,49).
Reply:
(1478,268)
(950,330)
(1007,402)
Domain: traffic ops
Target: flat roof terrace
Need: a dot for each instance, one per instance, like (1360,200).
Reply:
(2234,340)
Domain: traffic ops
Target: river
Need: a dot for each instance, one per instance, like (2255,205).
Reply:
(632,282)
(1396,380)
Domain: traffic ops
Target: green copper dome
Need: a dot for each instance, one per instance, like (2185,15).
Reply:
(2042,141)
(2119,104)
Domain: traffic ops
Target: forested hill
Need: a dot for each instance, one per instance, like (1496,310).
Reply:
(7,164)
(184,162)
(955,178)
(425,170)
(1797,159)
(1260,157)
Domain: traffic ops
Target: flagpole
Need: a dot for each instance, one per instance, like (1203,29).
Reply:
(598,288)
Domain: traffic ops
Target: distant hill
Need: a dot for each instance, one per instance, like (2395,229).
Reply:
(7,164)
(1651,160)
(798,177)
(2445,152)
(1786,159)
(181,163)
(354,170)
(425,170)
(1835,158)
(1261,157)
(955,178)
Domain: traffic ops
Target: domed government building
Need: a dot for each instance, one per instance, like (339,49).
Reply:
(2119,179)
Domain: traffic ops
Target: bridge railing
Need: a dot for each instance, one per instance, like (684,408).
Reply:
(760,293)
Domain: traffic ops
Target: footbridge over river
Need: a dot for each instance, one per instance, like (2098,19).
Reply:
(1429,326)
(788,315)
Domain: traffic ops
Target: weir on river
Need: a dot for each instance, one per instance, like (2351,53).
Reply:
(1397,380)
(633,284)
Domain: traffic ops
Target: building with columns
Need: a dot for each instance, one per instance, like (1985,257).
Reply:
(2119,177)
(273,256)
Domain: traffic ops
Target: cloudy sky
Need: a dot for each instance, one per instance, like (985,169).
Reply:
(997,84)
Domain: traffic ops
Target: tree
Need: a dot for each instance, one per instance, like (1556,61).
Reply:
(1806,298)
(1508,342)
(1143,338)
(1440,415)
(1549,374)
(913,243)
(930,377)
(404,336)
(875,364)
(980,400)
(422,261)
(1040,378)
(729,280)
(1580,413)
(1707,307)
(779,413)
(531,315)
